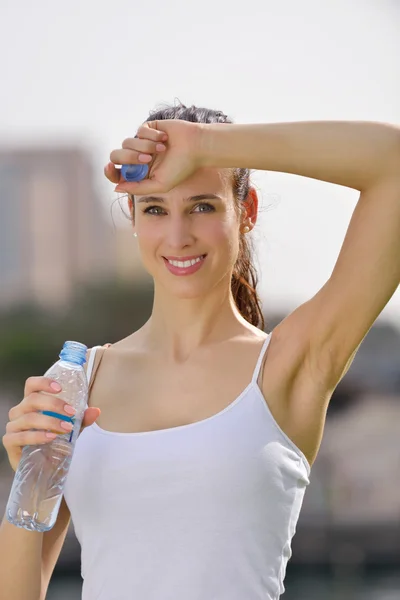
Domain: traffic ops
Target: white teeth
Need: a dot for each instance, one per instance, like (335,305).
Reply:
(186,263)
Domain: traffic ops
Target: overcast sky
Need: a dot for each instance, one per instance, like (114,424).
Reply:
(89,72)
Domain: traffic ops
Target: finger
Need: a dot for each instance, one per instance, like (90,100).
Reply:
(27,438)
(152,130)
(90,416)
(37,402)
(133,150)
(129,157)
(142,188)
(40,384)
(143,146)
(40,422)
(112,173)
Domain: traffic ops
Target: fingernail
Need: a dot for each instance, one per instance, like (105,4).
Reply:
(160,147)
(70,410)
(145,158)
(56,386)
(50,435)
(66,426)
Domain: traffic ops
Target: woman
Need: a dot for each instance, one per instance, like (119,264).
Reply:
(189,483)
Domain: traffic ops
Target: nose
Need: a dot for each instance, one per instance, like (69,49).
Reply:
(179,232)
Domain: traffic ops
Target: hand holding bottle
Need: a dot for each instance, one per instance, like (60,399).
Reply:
(27,424)
(172,149)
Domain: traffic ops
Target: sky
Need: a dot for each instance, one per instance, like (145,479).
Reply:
(88,72)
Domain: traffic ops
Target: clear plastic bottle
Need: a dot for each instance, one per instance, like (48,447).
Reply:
(38,484)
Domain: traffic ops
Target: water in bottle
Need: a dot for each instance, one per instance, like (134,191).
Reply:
(38,485)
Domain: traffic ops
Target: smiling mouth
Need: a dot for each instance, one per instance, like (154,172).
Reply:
(184,264)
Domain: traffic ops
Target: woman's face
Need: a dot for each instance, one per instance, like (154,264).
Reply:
(197,221)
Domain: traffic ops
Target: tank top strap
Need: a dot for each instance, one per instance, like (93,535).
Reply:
(261,356)
(90,373)
(89,368)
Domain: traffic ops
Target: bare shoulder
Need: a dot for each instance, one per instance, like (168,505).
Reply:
(295,386)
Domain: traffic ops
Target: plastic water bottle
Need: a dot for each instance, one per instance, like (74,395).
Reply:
(39,481)
(134,172)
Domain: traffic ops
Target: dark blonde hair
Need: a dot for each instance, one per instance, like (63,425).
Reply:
(244,275)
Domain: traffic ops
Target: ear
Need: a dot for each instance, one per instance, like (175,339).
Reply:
(251,208)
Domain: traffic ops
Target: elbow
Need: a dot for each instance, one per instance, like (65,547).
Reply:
(384,163)
(391,166)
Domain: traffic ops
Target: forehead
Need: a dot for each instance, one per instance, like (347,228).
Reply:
(205,180)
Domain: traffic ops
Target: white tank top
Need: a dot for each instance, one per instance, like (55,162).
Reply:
(204,511)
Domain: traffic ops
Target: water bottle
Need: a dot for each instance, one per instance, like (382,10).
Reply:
(134,172)
(39,481)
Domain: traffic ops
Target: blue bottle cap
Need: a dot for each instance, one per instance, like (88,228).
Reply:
(134,172)
(74,352)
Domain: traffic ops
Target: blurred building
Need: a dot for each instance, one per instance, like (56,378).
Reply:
(355,477)
(53,232)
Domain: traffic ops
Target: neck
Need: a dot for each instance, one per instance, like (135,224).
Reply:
(178,326)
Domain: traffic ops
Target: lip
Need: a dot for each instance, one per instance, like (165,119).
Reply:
(180,271)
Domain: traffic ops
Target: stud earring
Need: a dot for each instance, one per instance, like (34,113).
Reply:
(135,234)
(246,229)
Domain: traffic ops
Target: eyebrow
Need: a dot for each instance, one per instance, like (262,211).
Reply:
(148,199)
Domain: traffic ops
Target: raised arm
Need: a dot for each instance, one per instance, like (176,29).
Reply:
(360,155)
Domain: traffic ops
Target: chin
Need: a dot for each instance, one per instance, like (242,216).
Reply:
(190,287)
(194,288)
(186,290)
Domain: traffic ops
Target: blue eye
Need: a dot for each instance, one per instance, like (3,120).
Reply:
(154,210)
(208,207)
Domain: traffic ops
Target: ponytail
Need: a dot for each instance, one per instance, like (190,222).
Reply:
(244,277)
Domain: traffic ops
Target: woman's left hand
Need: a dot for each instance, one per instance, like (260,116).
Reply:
(169,164)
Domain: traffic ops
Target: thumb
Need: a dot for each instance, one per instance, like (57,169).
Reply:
(143,188)
(91,414)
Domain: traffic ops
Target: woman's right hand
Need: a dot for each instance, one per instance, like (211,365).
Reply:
(25,416)
(182,155)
